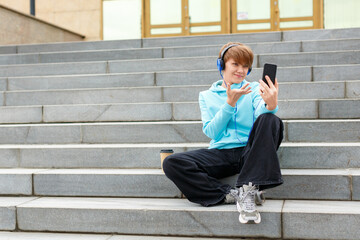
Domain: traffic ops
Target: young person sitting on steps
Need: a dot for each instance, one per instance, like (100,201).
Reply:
(245,134)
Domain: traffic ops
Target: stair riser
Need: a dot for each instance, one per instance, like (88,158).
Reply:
(307,226)
(8,218)
(331,90)
(320,34)
(79,46)
(184,41)
(204,77)
(316,187)
(314,157)
(151,222)
(82,81)
(306,59)
(81,56)
(309,109)
(106,184)
(165,133)
(175,64)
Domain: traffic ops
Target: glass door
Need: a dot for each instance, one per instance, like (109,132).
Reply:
(275,15)
(205,17)
(162,18)
(185,17)
(251,16)
(300,14)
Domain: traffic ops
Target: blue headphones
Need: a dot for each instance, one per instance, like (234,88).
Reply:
(221,63)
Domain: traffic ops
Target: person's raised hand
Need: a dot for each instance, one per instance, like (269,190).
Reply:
(269,93)
(233,95)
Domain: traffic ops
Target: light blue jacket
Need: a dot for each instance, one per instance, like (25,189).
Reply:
(218,116)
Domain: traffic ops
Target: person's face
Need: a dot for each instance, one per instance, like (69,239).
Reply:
(235,72)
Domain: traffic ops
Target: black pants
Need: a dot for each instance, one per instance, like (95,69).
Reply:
(196,173)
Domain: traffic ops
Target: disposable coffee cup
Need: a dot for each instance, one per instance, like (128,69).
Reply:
(163,154)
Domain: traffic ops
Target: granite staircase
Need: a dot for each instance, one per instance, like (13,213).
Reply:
(82,124)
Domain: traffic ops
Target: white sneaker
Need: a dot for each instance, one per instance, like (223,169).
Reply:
(246,204)
(230,198)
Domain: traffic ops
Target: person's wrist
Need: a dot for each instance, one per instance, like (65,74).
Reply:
(271,107)
(230,103)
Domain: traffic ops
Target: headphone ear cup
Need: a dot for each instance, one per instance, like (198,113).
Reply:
(220,64)
(249,71)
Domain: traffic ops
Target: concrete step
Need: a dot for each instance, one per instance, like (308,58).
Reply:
(71,46)
(280,219)
(207,63)
(81,236)
(166,132)
(317,34)
(310,59)
(167,111)
(287,91)
(8,49)
(54,236)
(291,155)
(270,47)
(253,37)
(175,52)
(297,109)
(53,69)
(8,214)
(330,45)
(81,56)
(139,43)
(175,78)
(102,67)
(336,73)
(101,182)
(175,64)
(79,81)
(318,184)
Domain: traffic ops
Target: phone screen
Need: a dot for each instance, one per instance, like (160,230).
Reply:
(270,70)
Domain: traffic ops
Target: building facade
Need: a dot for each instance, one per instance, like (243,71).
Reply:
(133,19)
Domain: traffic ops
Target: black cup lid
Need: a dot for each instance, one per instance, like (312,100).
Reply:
(166,151)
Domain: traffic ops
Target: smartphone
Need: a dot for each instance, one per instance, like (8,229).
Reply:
(270,70)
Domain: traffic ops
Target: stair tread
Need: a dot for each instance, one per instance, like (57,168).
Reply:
(83,236)
(169,204)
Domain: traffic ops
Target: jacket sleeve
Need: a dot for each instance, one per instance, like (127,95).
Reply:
(259,104)
(214,126)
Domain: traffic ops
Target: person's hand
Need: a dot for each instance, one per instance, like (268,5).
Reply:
(269,93)
(233,95)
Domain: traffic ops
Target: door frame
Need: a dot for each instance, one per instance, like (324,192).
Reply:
(229,20)
(275,20)
(185,24)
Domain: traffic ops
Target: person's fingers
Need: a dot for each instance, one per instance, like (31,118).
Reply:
(263,85)
(243,87)
(228,88)
(271,85)
(276,84)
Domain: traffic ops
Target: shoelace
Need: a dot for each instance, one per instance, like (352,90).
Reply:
(248,199)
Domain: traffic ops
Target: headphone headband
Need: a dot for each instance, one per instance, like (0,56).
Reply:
(221,62)
(225,50)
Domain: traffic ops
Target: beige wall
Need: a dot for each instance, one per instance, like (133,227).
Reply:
(18,28)
(18,5)
(81,16)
